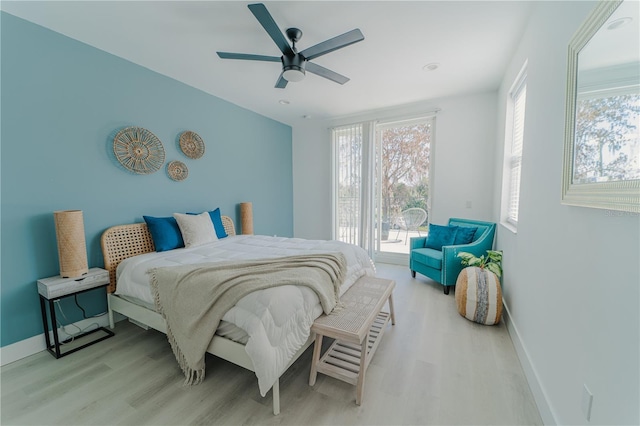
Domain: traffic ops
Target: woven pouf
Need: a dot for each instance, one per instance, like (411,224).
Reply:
(478,295)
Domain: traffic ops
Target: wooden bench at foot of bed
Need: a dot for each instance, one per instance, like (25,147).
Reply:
(357,326)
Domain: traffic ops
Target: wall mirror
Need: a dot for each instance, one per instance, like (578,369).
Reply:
(602,142)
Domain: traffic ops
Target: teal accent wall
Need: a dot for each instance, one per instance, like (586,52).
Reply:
(62,104)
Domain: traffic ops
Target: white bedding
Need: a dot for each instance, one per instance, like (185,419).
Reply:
(277,320)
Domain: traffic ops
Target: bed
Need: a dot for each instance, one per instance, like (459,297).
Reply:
(129,253)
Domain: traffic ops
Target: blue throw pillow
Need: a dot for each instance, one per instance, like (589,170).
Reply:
(217,223)
(440,235)
(465,234)
(216,219)
(165,232)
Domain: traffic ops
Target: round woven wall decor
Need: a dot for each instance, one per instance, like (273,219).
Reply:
(177,170)
(192,145)
(138,150)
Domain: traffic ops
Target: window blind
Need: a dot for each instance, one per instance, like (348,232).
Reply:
(347,142)
(518,97)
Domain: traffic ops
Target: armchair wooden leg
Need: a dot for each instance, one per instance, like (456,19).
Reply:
(446,289)
(413,274)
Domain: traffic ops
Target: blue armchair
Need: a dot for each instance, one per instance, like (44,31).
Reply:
(443,266)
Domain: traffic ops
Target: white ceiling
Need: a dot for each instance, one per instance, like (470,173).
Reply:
(472,41)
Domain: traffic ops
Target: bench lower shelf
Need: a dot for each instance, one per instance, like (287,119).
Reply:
(344,360)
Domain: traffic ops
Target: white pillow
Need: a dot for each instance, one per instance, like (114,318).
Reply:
(196,229)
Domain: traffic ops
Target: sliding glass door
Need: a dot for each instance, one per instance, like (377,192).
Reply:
(402,185)
(382,177)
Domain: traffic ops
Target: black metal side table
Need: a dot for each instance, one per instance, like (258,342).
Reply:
(55,288)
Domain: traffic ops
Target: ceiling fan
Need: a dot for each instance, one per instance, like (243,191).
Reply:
(294,63)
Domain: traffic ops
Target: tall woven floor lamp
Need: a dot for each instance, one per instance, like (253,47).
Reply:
(246,218)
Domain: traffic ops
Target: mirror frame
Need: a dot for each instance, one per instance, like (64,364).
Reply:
(618,195)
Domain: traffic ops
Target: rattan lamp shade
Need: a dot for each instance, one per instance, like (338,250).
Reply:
(246,218)
(72,247)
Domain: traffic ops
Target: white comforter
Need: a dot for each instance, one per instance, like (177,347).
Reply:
(277,320)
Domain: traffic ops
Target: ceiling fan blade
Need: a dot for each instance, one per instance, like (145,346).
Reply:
(281,83)
(263,16)
(332,44)
(326,73)
(247,56)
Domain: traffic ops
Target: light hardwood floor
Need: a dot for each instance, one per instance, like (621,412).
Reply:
(432,367)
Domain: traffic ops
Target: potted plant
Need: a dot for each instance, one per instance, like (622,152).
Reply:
(478,292)
(492,261)
(385,230)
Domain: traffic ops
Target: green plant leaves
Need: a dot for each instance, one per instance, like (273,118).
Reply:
(492,262)
(495,268)
(495,256)
(478,261)
(466,258)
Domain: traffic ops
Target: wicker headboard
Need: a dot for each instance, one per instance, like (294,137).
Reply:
(123,241)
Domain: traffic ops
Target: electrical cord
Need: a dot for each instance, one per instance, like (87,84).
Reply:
(72,336)
(84,314)
(80,331)
(75,298)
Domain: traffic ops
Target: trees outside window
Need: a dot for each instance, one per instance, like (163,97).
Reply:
(607,144)
(404,176)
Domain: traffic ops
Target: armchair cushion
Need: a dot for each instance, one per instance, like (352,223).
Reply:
(465,234)
(440,235)
(430,257)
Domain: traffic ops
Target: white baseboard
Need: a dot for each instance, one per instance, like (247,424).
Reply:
(35,344)
(22,349)
(539,394)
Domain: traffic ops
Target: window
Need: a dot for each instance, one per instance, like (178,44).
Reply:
(348,147)
(513,146)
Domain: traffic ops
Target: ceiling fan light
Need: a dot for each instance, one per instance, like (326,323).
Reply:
(293,74)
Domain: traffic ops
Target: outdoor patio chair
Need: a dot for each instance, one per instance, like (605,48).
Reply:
(410,220)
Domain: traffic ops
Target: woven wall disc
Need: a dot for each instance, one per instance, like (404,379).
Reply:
(192,145)
(177,170)
(138,150)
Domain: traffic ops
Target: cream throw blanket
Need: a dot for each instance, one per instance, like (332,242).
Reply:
(194,298)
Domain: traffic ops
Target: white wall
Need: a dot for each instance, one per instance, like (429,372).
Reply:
(463,162)
(572,280)
(572,275)
(312,180)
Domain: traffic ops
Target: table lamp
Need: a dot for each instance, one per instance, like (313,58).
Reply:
(72,247)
